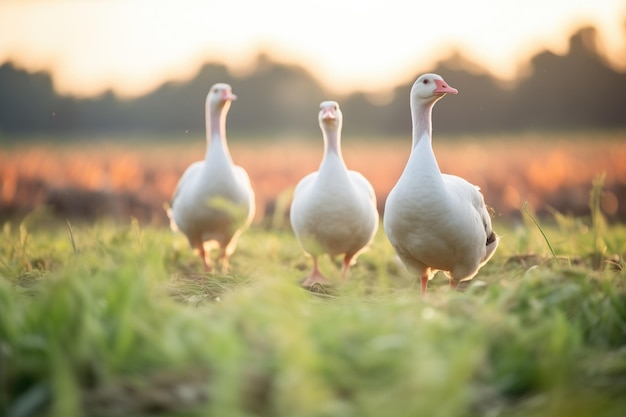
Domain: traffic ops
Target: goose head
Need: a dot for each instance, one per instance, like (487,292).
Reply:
(330,116)
(429,88)
(220,96)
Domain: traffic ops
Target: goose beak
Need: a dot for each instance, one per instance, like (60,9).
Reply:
(228,95)
(328,114)
(443,88)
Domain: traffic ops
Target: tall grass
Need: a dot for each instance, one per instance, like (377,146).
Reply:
(117,320)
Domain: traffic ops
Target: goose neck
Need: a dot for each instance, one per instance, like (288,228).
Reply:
(216,132)
(422,122)
(332,142)
(216,121)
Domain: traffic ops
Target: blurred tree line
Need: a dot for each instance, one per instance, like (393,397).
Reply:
(575,91)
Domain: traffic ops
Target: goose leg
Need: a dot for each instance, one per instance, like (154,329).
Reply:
(224,259)
(346,266)
(315,277)
(424,281)
(203,256)
(228,248)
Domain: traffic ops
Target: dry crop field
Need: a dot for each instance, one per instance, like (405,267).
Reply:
(122,177)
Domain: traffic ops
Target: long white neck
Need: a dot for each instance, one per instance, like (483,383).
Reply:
(422,162)
(216,132)
(332,141)
(421,115)
(333,167)
(332,147)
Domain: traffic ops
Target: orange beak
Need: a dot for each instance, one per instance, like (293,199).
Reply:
(443,88)
(228,95)
(328,114)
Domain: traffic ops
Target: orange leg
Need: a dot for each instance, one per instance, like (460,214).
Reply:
(315,277)
(224,259)
(207,263)
(424,279)
(346,266)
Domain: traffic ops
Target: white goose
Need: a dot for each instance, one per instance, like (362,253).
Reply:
(436,221)
(214,201)
(334,209)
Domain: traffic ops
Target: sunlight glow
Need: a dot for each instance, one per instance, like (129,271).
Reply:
(132,46)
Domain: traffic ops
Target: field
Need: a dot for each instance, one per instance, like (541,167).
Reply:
(125,177)
(108,314)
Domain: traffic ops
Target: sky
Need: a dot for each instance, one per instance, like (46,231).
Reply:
(133,46)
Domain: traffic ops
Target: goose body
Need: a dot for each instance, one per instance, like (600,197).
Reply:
(214,201)
(333,209)
(436,222)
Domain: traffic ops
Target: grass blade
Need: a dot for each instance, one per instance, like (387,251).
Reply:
(529,214)
(69,229)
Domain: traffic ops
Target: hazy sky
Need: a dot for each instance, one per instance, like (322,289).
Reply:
(132,46)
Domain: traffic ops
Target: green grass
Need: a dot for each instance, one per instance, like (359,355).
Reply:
(117,320)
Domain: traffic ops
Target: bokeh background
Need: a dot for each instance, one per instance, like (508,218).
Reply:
(102,102)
